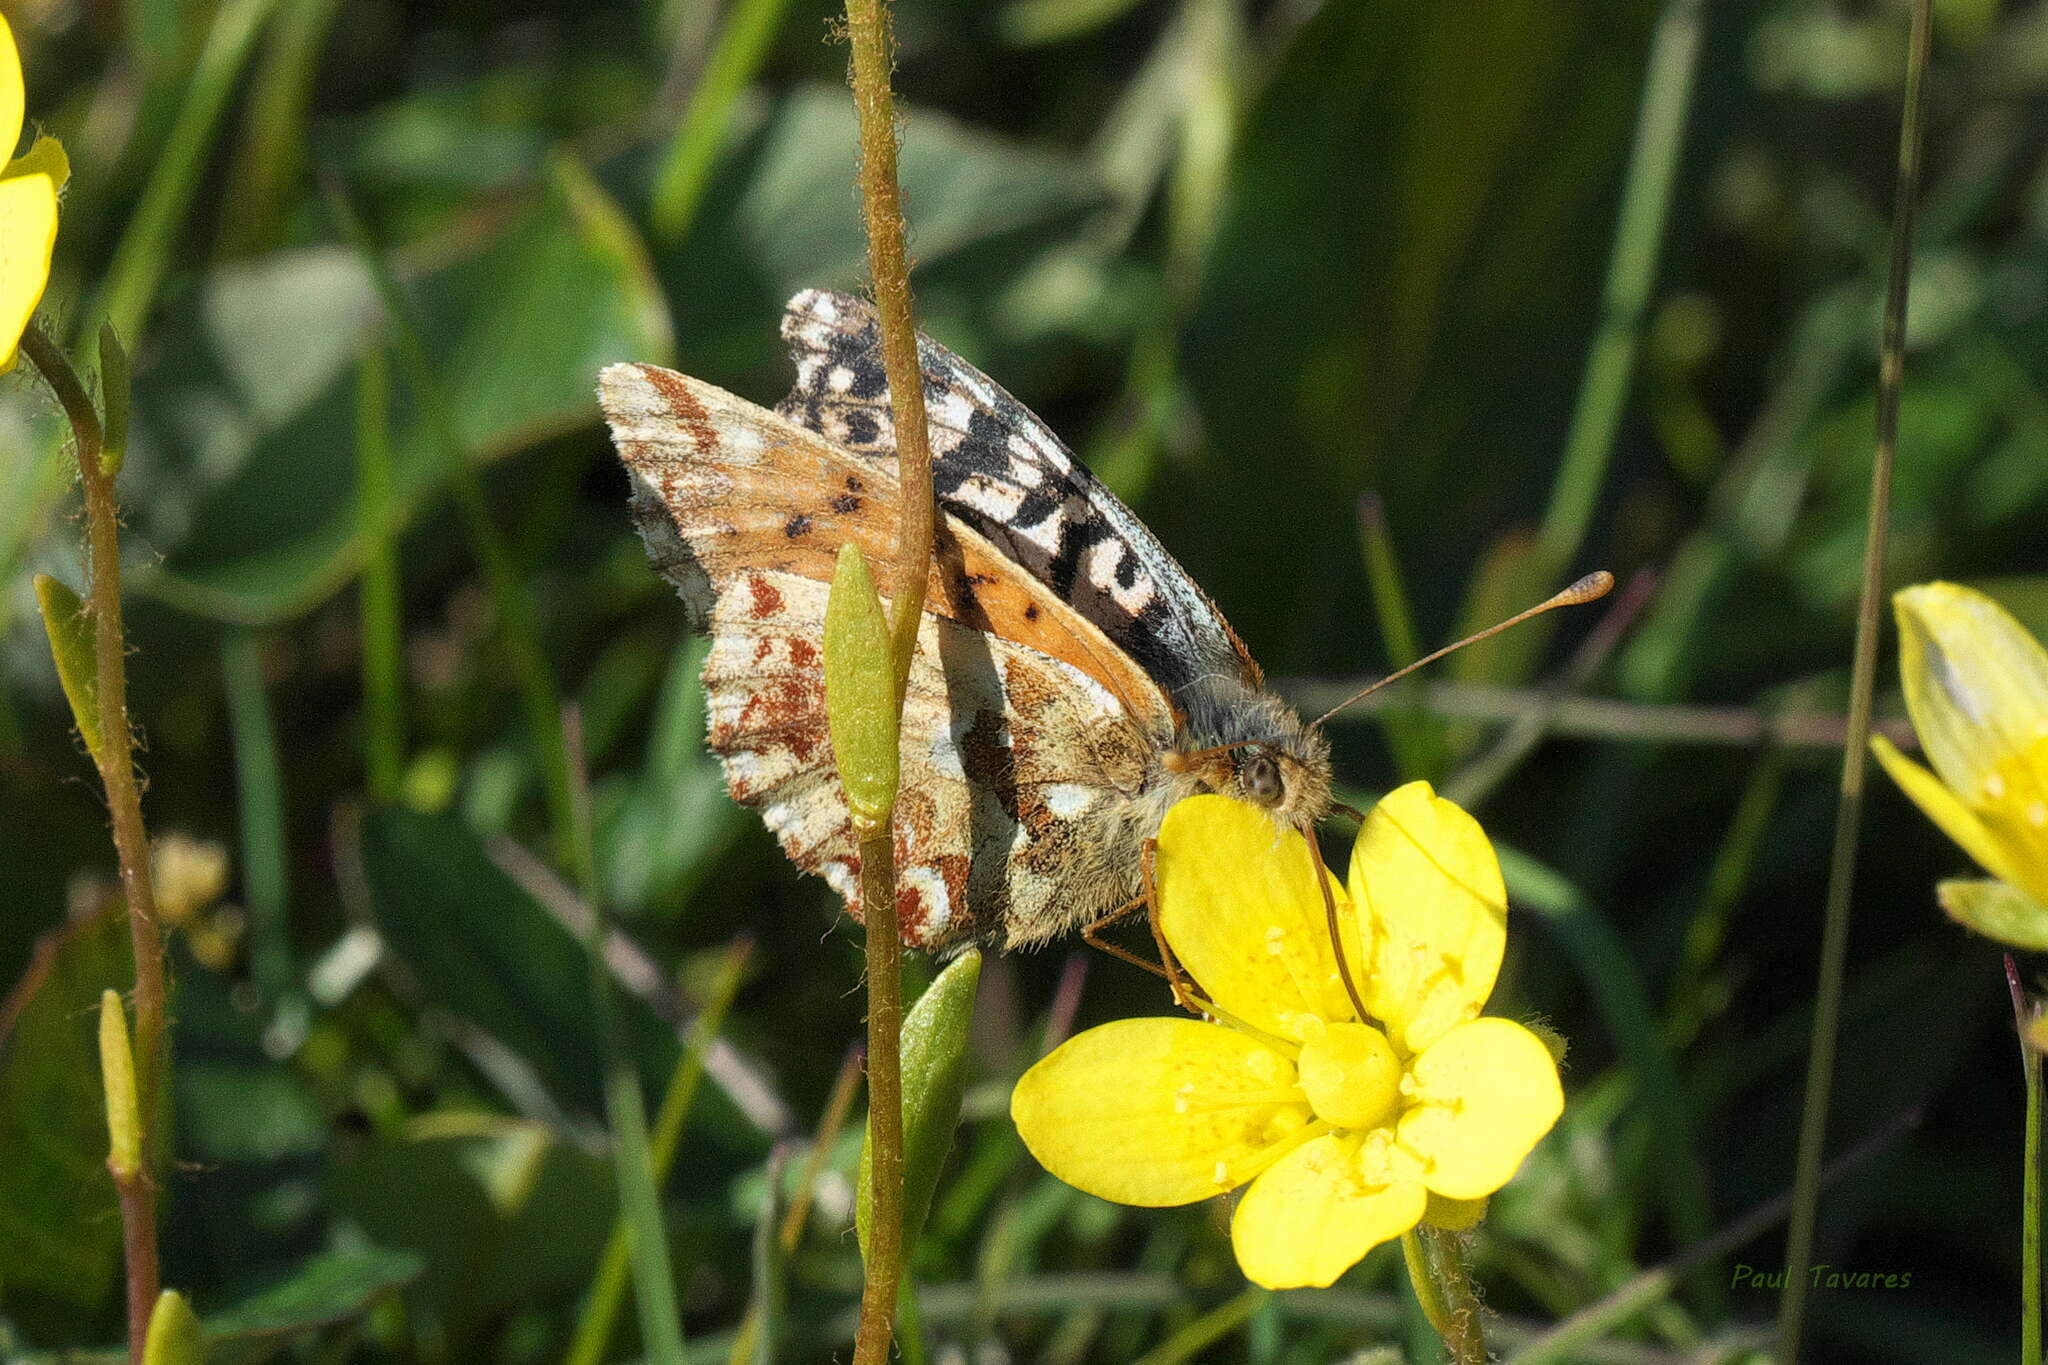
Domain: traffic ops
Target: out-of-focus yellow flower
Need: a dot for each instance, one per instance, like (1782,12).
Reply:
(1977,689)
(1349,1131)
(29,187)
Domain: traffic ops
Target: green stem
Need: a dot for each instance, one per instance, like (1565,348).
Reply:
(2030,1179)
(1863,681)
(868,30)
(115,757)
(1450,1303)
(608,1288)
(380,604)
(145,249)
(1645,202)
(884,1268)
(259,787)
(654,1284)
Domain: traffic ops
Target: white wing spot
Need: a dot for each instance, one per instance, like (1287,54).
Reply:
(1068,800)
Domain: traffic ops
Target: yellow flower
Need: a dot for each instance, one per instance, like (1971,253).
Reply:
(1349,1131)
(1977,689)
(29,186)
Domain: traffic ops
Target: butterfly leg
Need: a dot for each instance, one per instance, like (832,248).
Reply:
(1091,935)
(1184,993)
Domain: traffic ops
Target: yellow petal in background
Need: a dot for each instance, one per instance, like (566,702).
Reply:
(13,100)
(1976,684)
(1239,906)
(28,232)
(1955,819)
(1484,1095)
(1313,1215)
(1159,1111)
(1427,885)
(1997,911)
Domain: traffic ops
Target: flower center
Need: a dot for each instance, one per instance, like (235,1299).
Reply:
(1351,1076)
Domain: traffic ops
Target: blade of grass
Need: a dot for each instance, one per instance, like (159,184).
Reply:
(383,694)
(520,630)
(654,1281)
(1416,737)
(2024,1015)
(741,47)
(600,1313)
(148,244)
(259,791)
(1638,233)
(1205,1331)
(1686,1006)
(266,166)
(1862,684)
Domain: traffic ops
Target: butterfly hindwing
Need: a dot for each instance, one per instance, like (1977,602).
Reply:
(1001,471)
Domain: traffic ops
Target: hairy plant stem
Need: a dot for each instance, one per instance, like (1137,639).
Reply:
(868,31)
(115,758)
(1862,683)
(1450,1302)
(884,1268)
(2030,1179)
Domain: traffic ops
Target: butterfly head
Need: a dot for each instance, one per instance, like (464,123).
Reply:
(1284,770)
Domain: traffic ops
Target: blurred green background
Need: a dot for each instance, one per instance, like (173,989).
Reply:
(1269,269)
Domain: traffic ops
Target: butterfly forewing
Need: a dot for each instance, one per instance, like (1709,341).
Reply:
(998,469)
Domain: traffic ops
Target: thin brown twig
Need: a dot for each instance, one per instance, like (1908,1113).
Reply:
(1601,717)
(1834,948)
(115,757)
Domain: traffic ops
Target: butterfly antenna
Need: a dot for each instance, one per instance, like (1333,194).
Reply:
(1591,588)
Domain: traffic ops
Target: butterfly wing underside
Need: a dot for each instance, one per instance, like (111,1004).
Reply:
(1026,730)
(1000,470)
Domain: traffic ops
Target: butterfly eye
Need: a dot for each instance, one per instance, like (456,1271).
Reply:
(1259,776)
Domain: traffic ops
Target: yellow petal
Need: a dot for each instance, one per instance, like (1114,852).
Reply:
(1429,890)
(1239,907)
(1976,685)
(1484,1094)
(1997,911)
(28,232)
(1957,821)
(1158,1111)
(1311,1217)
(13,101)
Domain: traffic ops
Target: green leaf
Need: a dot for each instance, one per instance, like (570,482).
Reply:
(70,632)
(325,1289)
(174,1336)
(965,187)
(934,1078)
(496,1213)
(261,389)
(1997,911)
(860,691)
(60,1231)
(478,945)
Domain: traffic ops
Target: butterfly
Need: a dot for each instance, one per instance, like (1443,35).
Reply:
(1071,681)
